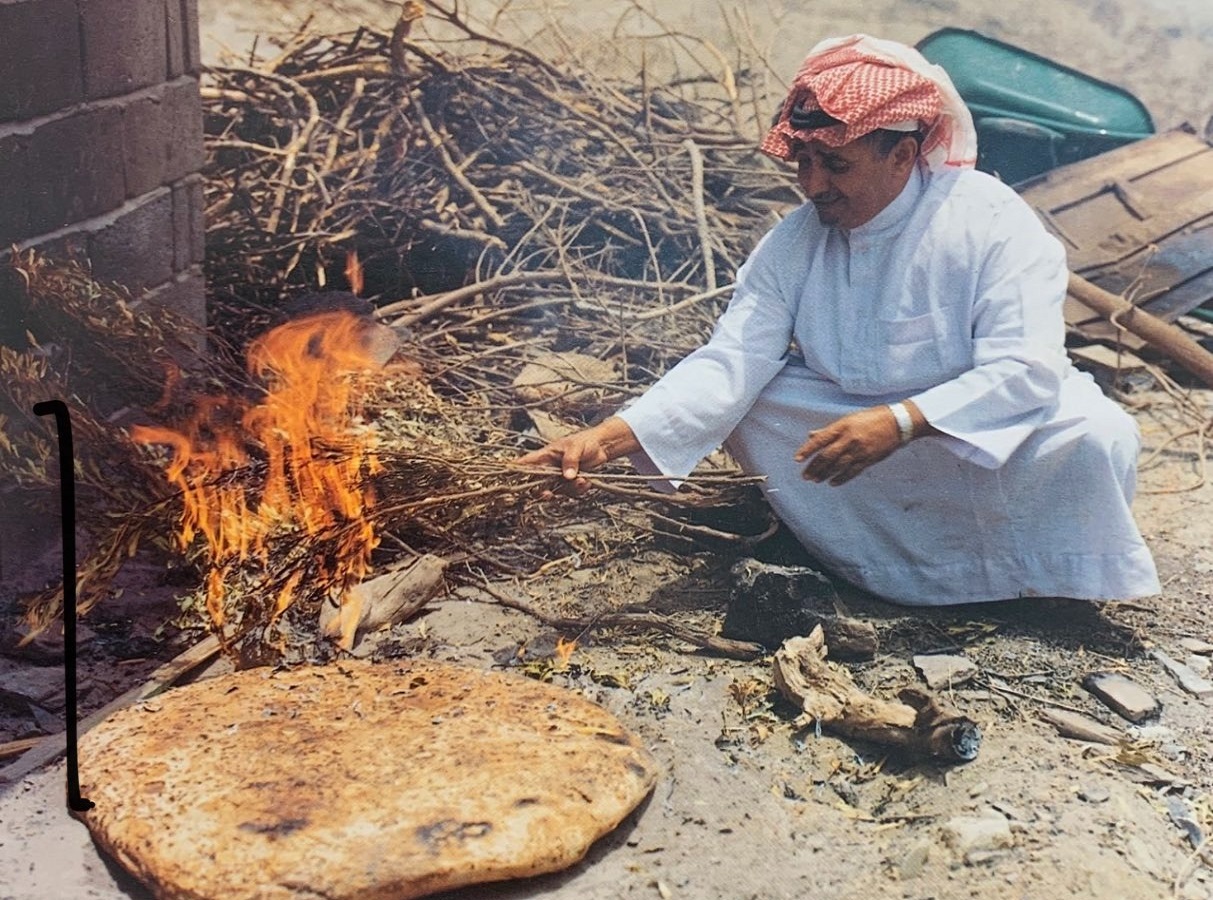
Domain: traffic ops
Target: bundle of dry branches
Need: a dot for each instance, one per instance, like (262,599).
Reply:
(90,345)
(482,188)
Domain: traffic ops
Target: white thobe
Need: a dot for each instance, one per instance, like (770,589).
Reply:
(952,297)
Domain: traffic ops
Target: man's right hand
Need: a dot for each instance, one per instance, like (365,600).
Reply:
(584,451)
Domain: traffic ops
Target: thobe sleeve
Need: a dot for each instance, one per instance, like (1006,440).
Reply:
(1018,339)
(692,409)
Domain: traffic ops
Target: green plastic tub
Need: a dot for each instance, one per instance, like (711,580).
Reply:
(1033,114)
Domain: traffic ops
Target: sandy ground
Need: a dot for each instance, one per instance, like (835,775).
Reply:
(747,806)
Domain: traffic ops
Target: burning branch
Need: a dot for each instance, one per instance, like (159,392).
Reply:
(310,458)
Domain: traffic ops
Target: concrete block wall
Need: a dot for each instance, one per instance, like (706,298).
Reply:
(101,140)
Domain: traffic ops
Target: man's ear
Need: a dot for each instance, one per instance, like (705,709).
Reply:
(905,153)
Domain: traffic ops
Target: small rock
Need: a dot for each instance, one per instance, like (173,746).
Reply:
(769,604)
(43,686)
(1188,680)
(1094,794)
(1181,814)
(1196,645)
(1154,733)
(943,670)
(915,859)
(978,789)
(1201,665)
(1081,728)
(1123,695)
(971,834)
(1149,773)
(984,857)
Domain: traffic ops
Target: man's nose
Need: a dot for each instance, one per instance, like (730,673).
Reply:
(813,181)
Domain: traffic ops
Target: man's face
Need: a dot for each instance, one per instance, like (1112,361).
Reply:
(850,184)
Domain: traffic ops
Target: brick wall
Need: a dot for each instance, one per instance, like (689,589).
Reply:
(101,140)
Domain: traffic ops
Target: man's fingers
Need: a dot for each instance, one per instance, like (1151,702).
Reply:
(540,457)
(570,461)
(817,441)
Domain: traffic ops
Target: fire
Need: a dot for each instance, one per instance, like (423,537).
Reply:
(353,272)
(564,652)
(293,461)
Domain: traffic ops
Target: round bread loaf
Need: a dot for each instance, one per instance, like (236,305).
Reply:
(357,780)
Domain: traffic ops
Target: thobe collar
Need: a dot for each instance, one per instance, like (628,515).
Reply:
(892,216)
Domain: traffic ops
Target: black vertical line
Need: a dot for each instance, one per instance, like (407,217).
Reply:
(67,502)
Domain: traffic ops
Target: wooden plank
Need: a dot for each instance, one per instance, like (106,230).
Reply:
(1108,358)
(1130,239)
(1086,322)
(1061,188)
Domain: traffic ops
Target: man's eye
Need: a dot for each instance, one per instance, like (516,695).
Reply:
(837,166)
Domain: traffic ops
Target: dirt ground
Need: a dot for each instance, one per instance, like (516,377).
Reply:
(749,805)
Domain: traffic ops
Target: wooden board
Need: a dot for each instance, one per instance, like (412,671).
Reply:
(1136,221)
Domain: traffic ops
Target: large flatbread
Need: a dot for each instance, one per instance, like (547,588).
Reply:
(357,780)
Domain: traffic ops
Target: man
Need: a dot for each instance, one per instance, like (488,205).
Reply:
(926,437)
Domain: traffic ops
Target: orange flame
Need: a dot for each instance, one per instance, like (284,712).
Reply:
(315,457)
(353,272)
(564,652)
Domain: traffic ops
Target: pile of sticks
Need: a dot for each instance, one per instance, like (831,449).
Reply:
(482,187)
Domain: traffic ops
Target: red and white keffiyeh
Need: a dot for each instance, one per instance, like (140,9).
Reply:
(868,83)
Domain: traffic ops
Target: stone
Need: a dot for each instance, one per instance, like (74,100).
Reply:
(568,383)
(984,857)
(770,603)
(357,780)
(941,671)
(1181,816)
(974,834)
(1201,665)
(1094,794)
(1188,679)
(40,685)
(1123,695)
(1081,728)
(1196,645)
(1158,734)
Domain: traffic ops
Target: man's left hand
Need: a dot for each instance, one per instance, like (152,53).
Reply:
(844,448)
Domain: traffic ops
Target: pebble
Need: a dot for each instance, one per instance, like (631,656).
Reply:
(1094,794)
(971,834)
(1159,733)
(1081,728)
(943,670)
(1014,813)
